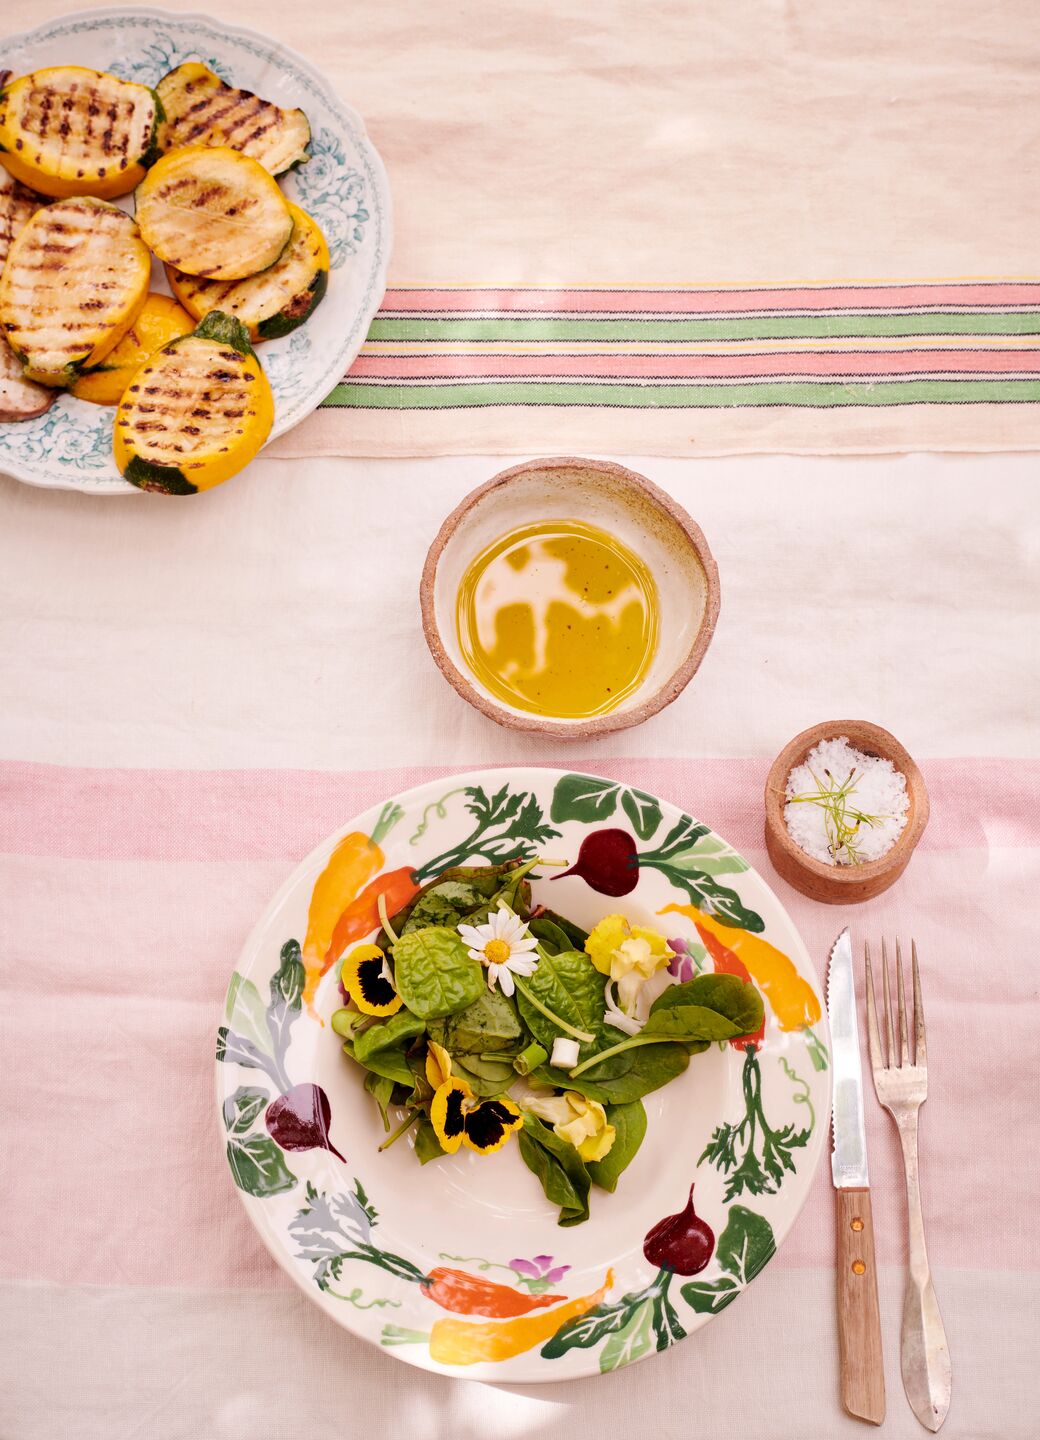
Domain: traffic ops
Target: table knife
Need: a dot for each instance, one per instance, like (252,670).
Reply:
(859,1322)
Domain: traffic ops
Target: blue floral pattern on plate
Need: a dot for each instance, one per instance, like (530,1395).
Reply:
(343,185)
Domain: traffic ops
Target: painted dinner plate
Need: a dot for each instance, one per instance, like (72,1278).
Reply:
(343,185)
(459,1265)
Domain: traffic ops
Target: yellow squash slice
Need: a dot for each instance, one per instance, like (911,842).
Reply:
(196,412)
(271,304)
(17,206)
(20,399)
(71,131)
(74,281)
(211,211)
(160,321)
(201,110)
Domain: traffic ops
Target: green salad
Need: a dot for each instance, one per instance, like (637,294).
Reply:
(476,1015)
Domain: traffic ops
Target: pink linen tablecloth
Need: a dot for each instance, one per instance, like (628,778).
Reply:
(193,699)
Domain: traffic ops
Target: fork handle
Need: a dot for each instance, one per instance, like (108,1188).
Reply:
(924,1354)
(859,1323)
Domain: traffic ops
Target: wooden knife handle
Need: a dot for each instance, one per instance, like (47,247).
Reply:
(859,1322)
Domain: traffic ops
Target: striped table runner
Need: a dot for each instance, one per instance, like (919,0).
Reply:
(858,366)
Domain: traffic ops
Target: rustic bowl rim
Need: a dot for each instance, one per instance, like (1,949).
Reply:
(871,737)
(663,695)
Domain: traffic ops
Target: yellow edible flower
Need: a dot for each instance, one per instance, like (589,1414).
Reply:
(438,1065)
(581,1122)
(617,948)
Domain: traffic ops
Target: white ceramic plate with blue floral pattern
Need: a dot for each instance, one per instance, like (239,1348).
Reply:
(459,1265)
(343,185)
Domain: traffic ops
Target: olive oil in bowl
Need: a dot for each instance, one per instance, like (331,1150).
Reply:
(559,619)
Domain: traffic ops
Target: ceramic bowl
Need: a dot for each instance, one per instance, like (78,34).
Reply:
(617,500)
(842,884)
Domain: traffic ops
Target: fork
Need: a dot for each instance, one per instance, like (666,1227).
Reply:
(902,1088)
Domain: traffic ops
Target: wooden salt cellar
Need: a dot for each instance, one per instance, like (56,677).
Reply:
(842,884)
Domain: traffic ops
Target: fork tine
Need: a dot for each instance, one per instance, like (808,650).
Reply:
(890,1034)
(920,1052)
(904,1039)
(873,1034)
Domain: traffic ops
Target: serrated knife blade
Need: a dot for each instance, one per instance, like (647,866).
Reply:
(859,1319)
(848,1128)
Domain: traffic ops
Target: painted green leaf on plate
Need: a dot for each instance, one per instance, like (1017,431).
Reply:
(258,1166)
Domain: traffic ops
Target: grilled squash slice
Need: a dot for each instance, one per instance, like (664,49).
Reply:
(160,321)
(196,412)
(17,205)
(70,131)
(74,281)
(211,211)
(202,110)
(20,399)
(275,302)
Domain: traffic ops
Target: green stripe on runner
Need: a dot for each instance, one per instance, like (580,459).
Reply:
(819,395)
(765,327)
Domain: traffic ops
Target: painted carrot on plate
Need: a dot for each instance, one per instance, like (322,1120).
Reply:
(793,1000)
(458,1342)
(473,1295)
(352,864)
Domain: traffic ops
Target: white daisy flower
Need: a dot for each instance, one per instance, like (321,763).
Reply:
(505,945)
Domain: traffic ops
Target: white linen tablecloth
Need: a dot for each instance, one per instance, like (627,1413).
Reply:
(196,692)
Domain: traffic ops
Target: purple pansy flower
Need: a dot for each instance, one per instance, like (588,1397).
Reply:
(682,966)
(540,1273)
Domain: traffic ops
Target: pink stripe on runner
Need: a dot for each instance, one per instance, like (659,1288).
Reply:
(281,814)
(706,301)
(112,1167)
(687,366)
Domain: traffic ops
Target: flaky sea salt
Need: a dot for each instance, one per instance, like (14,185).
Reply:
(844,807)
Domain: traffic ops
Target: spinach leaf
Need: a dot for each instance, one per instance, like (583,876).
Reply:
(381,1088)
(445,903)
(575,934)
(559,1168)
(390,1063)
(652,1066)
(484,1082)
(571,987)
(434,972)
(490,1024)
(736,999)
(630,1123)
(427,1146)
(690,1022)
(553,937)
(387,1034)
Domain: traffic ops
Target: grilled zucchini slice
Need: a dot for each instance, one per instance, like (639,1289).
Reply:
(202,110)
(160,321)
(212,211)
(17,205)
(20,399)
(271,304)
(196,412)
(75,279)
(71,131)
